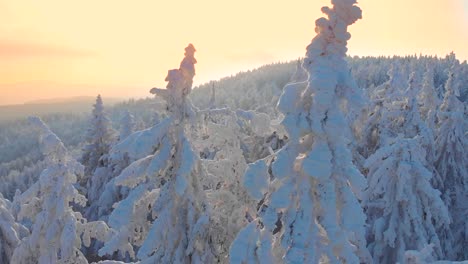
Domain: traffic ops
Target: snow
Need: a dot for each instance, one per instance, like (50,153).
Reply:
(56,229)
(173,227)
(256,179)
(11,232)
(317,163)
(141,143)
(315,170)
(127,126)
(188,162)
(399,199)
(118,218)
(334,174)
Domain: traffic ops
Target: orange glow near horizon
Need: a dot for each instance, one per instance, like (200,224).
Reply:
(56,48)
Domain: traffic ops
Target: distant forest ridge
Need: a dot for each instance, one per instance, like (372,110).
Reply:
(77,105)
(255,87)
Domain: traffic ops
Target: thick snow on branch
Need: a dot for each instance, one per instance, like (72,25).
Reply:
(451,162)
(127,126)
(141,143)
(11,232)
(179,85)
(405,211)
(99,137)
(57,232)
(310,199)
(172,228)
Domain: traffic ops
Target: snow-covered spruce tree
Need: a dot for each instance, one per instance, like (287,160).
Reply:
(385,120)
(394,87)
(253,123)
(451,103)
(219,138)
(57,232)
(423,256)
(372,126)
(128,207)
(308,210)
(11,232)
(451,161)
(179,233)
(97,186)
(428,98)
(412,125)
(99,138)
(384,112)
(389,117)
(255,129)
(403,118)
(136,146)
(300,75)
(127,126)
(404,211)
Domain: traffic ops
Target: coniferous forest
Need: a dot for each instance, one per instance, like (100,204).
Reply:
(323,159)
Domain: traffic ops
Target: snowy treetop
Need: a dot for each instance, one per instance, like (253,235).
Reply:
(179,84)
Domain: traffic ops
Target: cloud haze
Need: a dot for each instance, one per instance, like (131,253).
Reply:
(110,43)
(18,50)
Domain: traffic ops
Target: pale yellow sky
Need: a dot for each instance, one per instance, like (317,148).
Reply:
(57,48)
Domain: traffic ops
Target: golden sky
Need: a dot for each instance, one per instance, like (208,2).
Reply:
(122,48)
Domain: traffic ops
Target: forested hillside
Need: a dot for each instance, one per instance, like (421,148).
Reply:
(257,89)
(324,159)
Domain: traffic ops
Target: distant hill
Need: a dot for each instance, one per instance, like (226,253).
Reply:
(60,100)
(253,89)
(248,90)
(82,104)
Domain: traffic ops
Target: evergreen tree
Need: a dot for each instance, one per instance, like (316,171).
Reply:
(225,166)
(370,136)
(99,138)
(127,125)
(394,87)
(300,75)
(451,161)
(429,99)
(413,125)
(404,211)
(95,158)
(179,233)
(57,232)
(308,210)
(406,147)
(11,232)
